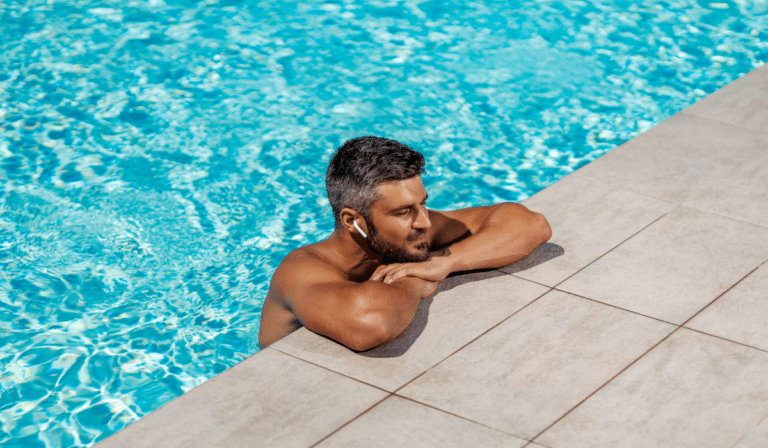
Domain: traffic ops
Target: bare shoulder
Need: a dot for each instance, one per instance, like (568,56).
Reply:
(291,286)
(301,269)
(303,266)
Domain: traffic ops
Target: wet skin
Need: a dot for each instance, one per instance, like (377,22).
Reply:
(363,292)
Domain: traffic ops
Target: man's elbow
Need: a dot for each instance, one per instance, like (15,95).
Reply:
(535,224)
(373,333)
(540,232)
(545,231)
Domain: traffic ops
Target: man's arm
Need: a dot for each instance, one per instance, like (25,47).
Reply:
(498,235)
(360,316)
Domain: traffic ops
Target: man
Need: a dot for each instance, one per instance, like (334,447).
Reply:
(362,285)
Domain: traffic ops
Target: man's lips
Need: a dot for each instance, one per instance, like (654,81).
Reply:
(422,236)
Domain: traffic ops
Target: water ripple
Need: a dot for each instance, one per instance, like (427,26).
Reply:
(158,159)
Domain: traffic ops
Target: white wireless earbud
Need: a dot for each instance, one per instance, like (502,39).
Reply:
(354,223)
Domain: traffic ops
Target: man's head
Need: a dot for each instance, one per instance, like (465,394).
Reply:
(378,180)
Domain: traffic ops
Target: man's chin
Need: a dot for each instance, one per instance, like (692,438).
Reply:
(402,254)
(418,256)
(407,257)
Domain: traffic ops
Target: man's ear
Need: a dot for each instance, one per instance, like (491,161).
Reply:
(348,219)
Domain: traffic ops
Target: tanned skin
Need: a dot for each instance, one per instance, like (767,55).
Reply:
(342,289)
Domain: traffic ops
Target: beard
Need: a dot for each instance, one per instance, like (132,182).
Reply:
(393,253)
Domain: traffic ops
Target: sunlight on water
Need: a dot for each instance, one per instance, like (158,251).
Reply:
(158,159)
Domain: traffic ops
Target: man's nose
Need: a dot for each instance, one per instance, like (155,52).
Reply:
(422,219)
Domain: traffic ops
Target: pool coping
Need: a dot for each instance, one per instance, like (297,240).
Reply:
(650,237)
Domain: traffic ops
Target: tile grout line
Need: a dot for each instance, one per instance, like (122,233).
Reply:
(389,394)
(612,185)
(671,323)
(726,340)
(422,373)
(724,216)
(611,249)
(722,294)
(459,416)
(681,112)
(333,371)
(678,204)
(115,434)
(711,182)
(551,288)
(653,347)
(604,384)
(473,340)
(738,125)
(609,184)
(530,444)
(395,393)
(618,307)
(348,422)
(747,433)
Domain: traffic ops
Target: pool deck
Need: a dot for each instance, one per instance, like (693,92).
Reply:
(643,322)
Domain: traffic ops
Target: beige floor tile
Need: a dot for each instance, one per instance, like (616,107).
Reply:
(757,438)
(743,102)
(741,194)
(526,373)
(270,399)
(588,218)
(463,308)
(741,314)
(397,422)
(674,267)
(676,159)
(692,390)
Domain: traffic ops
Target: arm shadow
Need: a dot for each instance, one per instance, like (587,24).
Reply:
(544,252)
(402,343)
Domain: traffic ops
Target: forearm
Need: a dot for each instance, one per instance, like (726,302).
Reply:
(509,233)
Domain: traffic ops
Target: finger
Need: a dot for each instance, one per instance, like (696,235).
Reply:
(382,271)
(399,274)
(396,274)
(388,277)
(377,275)
(415,270)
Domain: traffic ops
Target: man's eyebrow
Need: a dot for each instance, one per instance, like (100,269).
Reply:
(405,207)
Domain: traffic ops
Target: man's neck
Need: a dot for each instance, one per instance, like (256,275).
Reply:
(356,260)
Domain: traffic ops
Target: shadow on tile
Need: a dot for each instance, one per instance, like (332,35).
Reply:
(545,252)
(399,346)
(406,339)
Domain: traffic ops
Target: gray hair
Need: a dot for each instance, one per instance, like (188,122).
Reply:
(360,165)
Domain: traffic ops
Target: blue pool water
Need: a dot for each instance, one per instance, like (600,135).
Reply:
(159,158)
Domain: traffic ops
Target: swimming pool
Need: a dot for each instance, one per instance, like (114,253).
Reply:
(159,159)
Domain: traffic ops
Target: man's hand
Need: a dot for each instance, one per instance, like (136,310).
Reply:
(433,269)
(423,288)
